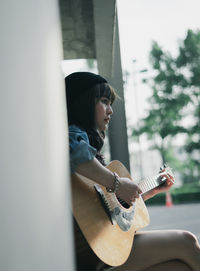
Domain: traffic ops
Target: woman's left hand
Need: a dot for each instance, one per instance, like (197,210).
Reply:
(165,186)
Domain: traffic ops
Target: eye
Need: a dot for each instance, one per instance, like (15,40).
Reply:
(105,101)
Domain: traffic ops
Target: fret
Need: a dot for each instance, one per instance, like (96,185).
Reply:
(153,181)
(148,184)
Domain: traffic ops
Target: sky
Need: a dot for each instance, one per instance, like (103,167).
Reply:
(141,22)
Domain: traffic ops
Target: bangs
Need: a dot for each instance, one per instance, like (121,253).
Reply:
(105,90)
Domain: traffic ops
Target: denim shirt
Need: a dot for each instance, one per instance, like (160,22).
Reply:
(80,149)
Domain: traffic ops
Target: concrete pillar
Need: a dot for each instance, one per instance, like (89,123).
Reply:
(77,28)
(118,137)
(35,228)
(104,25)
(109,65)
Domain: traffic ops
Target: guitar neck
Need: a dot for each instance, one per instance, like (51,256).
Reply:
(149,183)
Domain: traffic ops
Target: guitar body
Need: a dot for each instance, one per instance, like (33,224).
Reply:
(110,239)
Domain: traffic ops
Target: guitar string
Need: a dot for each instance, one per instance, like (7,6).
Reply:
(150,183)
(111,202)
(145,185)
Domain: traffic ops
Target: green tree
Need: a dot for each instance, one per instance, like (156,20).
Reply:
(189,60)
(175,85)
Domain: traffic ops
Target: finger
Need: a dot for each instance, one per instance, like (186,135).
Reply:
(137,194)
(171,178)
(163,177)
(167,176)
(139,191)
(170,183)
(133,201)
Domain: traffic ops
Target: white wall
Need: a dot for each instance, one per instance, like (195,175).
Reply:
(35,222)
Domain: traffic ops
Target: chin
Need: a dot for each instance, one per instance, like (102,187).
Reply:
(105,128)
(102,129)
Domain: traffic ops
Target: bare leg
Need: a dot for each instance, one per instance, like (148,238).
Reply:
(153,248)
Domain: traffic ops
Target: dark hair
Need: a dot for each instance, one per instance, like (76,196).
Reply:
(82,112)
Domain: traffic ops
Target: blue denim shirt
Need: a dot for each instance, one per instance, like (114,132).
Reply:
(80,149)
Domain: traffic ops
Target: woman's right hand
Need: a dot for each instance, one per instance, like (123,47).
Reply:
(128,191)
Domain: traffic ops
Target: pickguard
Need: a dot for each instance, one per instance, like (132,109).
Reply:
(118,215)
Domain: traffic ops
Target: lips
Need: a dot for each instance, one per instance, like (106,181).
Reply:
(107,120)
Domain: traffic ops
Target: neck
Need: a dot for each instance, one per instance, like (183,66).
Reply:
(149,183)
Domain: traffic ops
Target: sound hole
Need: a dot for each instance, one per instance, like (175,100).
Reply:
(123,203)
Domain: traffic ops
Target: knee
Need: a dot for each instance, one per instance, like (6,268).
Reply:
(189,239)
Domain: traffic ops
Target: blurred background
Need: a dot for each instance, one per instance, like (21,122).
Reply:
(160,53)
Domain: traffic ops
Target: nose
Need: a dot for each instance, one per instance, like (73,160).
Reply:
(109,110)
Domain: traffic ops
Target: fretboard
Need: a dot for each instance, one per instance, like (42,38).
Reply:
(149,183)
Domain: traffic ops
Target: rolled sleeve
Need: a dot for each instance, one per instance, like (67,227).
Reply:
(80,149)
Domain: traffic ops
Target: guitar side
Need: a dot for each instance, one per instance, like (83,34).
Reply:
(109,242)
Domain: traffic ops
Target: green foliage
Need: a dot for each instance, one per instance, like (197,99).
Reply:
(177,198)
(175,96)
(187,188)
(187,193)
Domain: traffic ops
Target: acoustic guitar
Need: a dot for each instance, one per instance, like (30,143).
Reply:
(107,222)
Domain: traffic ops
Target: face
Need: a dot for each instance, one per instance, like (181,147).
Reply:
(103,112)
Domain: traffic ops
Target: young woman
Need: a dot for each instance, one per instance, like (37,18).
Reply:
(89,105)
